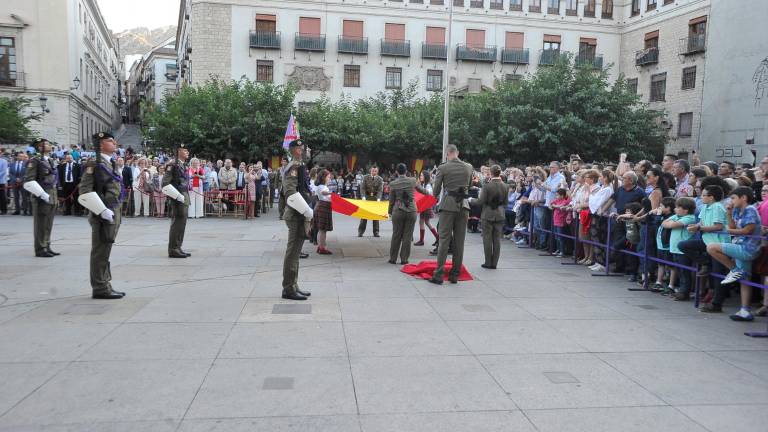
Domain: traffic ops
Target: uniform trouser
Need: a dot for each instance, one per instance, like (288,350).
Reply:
(178,224)
(103,236)
(452,227)
(296,236)
(402,234)
(3,198)
(281,204)
(195,209)
(42,213)
(492,232)
(364,224)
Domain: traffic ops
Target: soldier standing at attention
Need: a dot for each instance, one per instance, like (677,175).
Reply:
(176,186)
(493,199)
(402,210)
(371,189)
(41,180)
(102,193)
(298,217)
(456,177)
(279,186)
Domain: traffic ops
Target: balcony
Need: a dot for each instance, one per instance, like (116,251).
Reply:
(497,4)
(519,56)
(432,51)
(11,79)
(479,54)
(476,4)
(553,10)
(646,57)
(266,40)
(589,61)
(516,7)
(309,42)
(693,44)
(549,57)
(534,9)
(395,48)
(353,45)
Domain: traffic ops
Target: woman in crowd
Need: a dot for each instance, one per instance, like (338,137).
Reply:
(599,212)
(144,187)
(323,215)
(158,195)
(250,191)
(426,216)
(196,179)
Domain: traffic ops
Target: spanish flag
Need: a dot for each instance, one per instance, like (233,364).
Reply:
(375,210)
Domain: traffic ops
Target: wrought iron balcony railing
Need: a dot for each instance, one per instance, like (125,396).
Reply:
(476,53)
(264,39)
(693,44)
(515,56)
(309,42)
(647,56)
(352,45)
(594,61)
(433,51)
(395,48)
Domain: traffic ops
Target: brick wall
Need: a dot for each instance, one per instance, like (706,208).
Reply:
(211,41)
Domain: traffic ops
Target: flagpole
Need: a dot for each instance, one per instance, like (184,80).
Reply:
(447,96)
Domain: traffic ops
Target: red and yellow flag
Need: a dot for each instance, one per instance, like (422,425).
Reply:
(375,210)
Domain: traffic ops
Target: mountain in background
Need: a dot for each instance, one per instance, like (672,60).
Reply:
(141,39)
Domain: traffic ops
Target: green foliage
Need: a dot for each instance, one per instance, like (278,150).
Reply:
(14,124)
(558,111)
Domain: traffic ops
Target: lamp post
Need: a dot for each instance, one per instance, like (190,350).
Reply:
(447,96)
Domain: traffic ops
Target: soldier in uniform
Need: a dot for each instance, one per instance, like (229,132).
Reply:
(371,189)
(455,176)
(40,180)
(298,217)
(176,187)
(402,210)
(493,198)
(279,186)
(102,193)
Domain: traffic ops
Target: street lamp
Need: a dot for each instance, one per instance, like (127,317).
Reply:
(98,95)
(447,96)
(44,103)
(76,82)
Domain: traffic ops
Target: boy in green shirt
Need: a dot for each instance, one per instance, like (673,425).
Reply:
(677,224)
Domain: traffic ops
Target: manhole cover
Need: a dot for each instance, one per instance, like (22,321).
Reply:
(478,308)
(560,377)
(278,383)
(292,309)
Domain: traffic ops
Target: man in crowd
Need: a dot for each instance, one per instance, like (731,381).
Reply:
(298,218)
(629,192)
(240,182)
(668,162)
(176,187)
(69,178)
(40,181)
(726,169)
(456,177)
(555,181)
(3,182)
(681,169)
(227,176)
(371,190)
(127,176)
(101,192)
(20,196)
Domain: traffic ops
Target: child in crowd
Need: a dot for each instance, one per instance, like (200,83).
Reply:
(677,225)
(323,215)
(743,223)
(662,248)
(560,213)
(633,239)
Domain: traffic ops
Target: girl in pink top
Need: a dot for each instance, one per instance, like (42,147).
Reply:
(559,219)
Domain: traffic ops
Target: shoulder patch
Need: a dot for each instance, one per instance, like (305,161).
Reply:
(30,164)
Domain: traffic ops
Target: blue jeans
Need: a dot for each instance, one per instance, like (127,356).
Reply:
(540,223)
(742,257)
(559,239)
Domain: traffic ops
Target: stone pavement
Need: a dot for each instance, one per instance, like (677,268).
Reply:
(206,344)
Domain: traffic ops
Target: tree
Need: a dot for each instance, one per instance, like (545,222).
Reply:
(14,124)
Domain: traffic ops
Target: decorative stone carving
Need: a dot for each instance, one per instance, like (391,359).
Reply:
(309,78)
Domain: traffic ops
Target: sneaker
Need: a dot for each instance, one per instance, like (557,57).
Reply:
(679,296)
(742,315)
(560,255)
(597,268)
(556,253)
(520,242)
(732,276)
(710,308)
(657,287)
(667,290)
(593,266)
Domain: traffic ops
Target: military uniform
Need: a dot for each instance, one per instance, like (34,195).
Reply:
(295,179)
(176,175)
(455,176)
(402,207)
(102,177)
(40,169)
(371,189)
(493,198)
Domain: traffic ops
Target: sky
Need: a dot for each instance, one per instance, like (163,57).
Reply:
(127,14)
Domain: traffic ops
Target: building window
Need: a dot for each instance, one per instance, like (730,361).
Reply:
(436,2)
(394,78)
(571,7)
(652,40)
(497,4)
(635,8)
(534,5)
(458,3)
(666,2)
(515,5)
(434,80)
(607,12)
(266,24)
(632,85)
(8,72)
(698,28)
(689,78)
(474,85)
(351,76)
(685,124)
(553,7)
(651,5)
(658,87)
(264,70)
(477,4)
(589,8)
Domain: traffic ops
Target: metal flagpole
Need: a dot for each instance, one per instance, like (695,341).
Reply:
(447,95)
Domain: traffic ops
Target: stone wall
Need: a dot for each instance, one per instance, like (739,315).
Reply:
(211,41)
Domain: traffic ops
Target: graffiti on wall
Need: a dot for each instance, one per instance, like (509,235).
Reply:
(760,78)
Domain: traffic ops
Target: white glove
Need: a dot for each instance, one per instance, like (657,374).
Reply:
(364,198)
(108,215)
(180,199)
(378,199)
(45,197)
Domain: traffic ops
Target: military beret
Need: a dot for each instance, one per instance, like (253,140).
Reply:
(102,135)
(38,141)
(295,143)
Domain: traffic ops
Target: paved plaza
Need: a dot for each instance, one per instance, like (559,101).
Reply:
(206,343)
